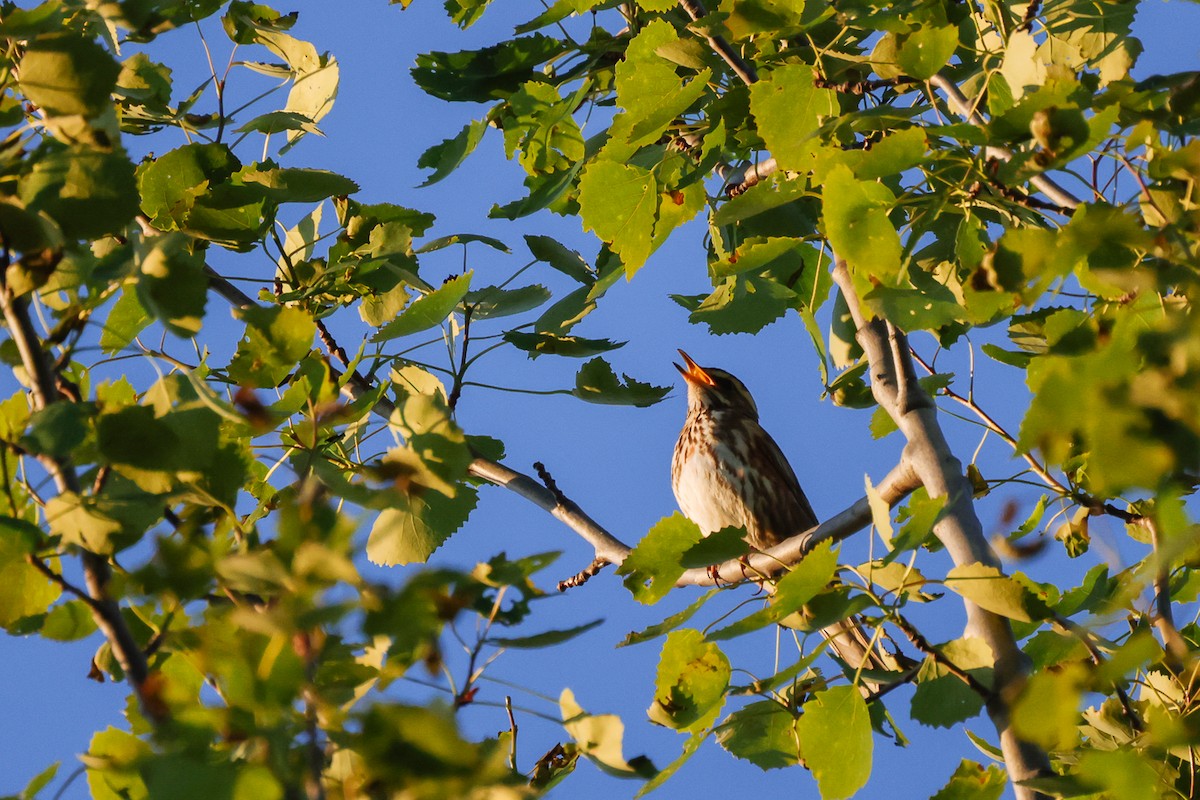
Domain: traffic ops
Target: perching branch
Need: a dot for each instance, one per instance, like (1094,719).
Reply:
(96,572)
(959,530)
(894,487)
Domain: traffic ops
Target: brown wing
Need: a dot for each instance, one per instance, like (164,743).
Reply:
(776,504)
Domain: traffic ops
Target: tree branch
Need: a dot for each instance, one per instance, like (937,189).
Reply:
(965,109)
(722,48)
(1164,616)
(96,572)
(959,530)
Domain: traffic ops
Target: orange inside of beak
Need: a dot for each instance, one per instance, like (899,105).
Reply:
(694,373)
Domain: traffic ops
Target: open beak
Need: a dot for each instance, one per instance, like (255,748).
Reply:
(694,373)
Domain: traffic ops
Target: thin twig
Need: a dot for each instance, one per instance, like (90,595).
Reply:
(328,340)
(965,109)
(742,181)
(460,374)
(583,576)
(512,727)
(722,48)
(921,643)
(63,583)
(997,429)
(1085,637)
(1164,616)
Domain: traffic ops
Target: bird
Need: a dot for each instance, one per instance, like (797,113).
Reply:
(727,471)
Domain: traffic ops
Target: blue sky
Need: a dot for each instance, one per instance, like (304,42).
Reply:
(613,461)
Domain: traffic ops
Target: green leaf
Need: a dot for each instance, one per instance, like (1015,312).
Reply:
(892,155)
(290,185)
(1047,711)
(1126,774)
(279,122)
(801,584)
(276,339)
(766,195)
(314,88)
(444,158)
(443,242)
(537,344)
(58,429)
(994,591)
(68,74)
(418,525)
(69,622)
(927,50)
(545,191)
(599,738)
(789,108)
(619,203)
(189,778)
(540,129)
(44,18)
(171,184)
(39,782)
(648,88)
(126,319)
(465,13)
(597,383)
(722,545)
(563,259)
(89,193)
(670,623)
(492,301)
(943,700)
(486,74)
(690,686)
(428,310)
(654,565)
(24,591)
(231,215)
(973,781)
(857,224)
(740,304)
(749,17)
(113,758)
(763,733)
(544,639)
(173,286)
(835,740)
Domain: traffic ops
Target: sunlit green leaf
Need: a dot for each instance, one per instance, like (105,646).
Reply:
(763,733)
(428,310)
(597,383)
(835,740)
(692,677)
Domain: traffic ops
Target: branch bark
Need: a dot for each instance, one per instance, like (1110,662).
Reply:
(96,572)
(720,46)
(965,109)
(959,530)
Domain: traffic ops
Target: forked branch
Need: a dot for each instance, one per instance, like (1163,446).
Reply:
(959,529)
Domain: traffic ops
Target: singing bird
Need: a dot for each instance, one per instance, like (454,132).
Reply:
(727,471)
